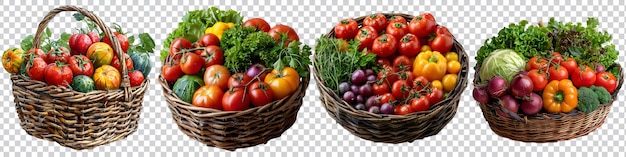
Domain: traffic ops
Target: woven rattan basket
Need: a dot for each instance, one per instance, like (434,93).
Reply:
(231,130)
(545,127)
(75,119)
(395,128)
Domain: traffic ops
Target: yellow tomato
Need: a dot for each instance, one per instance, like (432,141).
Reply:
(436,84)
(454,67)
(12,59)
(449,81)
(283,83)
(107,78)
(100,53)
(425,48)
(452,56)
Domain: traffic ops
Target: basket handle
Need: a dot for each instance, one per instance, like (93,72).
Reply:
(125,84)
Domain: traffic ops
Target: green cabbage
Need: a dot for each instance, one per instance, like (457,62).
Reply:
(502,62)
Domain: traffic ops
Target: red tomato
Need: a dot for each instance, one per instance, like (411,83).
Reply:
(397,18)
(177,45)
(401,89)
(398,29)
(235,100)
(283,29)
(58,74)
(410,46)
(217,75)
(208,97)
(210,40)
(583,76)
(378,21)
(385,45)
(383,61)
(35,68)
(191,63)
(171,71)
(213,55)
(94,37)
(419,83)
(79,43)
(387,74)
(422,25)
(135,77)
(117,64)
(557,72)
(259,23)
(402,62)
(435,96)
(606,80)
(442,43)
(403,109)
(366,36)
(380,88)
(37,53)
(407,76)
(260,93)
(442,30)
(420,104)
(58,54)
(121,38)
(571,66)
(557,58)
(387,98)
(536,62)
(539,78)
(238,80)
(346,29)
(80,65)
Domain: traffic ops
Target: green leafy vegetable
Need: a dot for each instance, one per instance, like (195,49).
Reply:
(503,62)
(46,42)
(335,66)
(145,45)
(195,22)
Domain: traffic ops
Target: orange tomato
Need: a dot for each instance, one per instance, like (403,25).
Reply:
(208,97)
(283,83)
(100,53)
(107,77)
(217,75)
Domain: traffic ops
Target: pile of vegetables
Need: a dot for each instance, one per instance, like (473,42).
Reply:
(558,68)
(357,63)
(232,65)
(70,61)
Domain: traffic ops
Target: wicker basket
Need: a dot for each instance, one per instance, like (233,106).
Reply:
(74,119)
(395,128)
(231,130)
(545,127)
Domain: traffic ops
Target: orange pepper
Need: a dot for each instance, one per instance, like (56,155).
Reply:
(430,64)
(560,96)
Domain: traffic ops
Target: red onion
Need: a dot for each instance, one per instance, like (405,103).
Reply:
(599,67)
(480,95)
(532,106)
(521,86)
(509,103)
(497,86)
(255,69)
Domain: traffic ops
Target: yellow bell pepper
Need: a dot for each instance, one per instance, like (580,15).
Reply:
(560,96)
(430,64)
(218,29)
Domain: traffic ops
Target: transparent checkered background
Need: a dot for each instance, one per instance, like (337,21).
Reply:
(315,133)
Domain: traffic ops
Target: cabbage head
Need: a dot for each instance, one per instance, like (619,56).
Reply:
(502,62)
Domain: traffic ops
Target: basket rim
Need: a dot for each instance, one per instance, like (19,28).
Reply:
(549,116)
(459,87)
(145,82)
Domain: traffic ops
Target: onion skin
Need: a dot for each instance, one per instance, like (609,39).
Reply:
(509,103)
(599,67)
(521,86)
(480,95)
(497,86)
(255,69)
(532,106)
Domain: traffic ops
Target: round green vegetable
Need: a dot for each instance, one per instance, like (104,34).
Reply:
(503,62)
(141,62)
(587,100)
(83,83)
(186,86)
